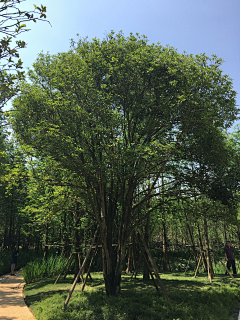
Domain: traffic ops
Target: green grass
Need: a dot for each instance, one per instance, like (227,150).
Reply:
(191,298)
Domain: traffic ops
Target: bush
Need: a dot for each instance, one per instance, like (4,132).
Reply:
(5,261)
(39,269)
(219,268)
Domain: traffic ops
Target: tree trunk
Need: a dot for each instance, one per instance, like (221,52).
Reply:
(224,233)
(113,257)
(166,265)
(209,261)
(76,240)
(201,250)
(100,259)
(10,237)
(111,274)
(146,275)
(45,256)
(146,238)
(176,238)
(238,233)
(135,249)
(65,238)
(5,237)
(192,243)
(37,245)
(130,256)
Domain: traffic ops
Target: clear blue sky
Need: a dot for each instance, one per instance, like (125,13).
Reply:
(194,26)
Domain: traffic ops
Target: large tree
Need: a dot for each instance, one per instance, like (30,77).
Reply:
(118,113)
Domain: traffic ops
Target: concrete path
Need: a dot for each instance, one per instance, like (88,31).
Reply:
(12,305)
(235,313)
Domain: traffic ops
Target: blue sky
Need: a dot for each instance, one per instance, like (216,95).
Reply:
(194,26)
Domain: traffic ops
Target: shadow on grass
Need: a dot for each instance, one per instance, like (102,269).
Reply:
(191,299)
(49,281)
(44,295)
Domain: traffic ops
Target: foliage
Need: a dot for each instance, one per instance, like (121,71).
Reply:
(39,269)
(12,23)
(191,298)
(13,194)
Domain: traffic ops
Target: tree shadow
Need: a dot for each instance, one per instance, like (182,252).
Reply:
(190,298)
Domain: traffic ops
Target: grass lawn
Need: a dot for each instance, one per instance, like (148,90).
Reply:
(191,299)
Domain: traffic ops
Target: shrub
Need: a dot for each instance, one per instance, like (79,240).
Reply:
(5,261)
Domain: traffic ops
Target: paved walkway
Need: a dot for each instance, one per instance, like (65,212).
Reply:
(12,305)
(235,313)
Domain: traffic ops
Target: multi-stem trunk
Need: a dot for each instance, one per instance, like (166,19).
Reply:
(113,263)
(113,256)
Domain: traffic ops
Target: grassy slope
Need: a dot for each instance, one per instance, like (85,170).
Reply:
(191,298)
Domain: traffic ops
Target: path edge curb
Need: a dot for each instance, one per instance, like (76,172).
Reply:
(24,298)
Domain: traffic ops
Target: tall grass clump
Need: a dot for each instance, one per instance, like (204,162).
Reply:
(40,269)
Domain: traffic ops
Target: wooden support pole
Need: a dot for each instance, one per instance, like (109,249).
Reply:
(197,262)
(90,276)
(79,262)
(208,267)
(77,277)
(203,260)
(155,284)
(63,269)
(147,264)
(188,263)
(88,272)
(224,266)
(73,254)
(198,265)
(155,269)
(137,266)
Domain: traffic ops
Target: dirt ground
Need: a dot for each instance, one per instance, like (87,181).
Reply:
(12,305)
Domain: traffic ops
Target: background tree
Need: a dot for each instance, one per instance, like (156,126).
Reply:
(13,194)
(12,23)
